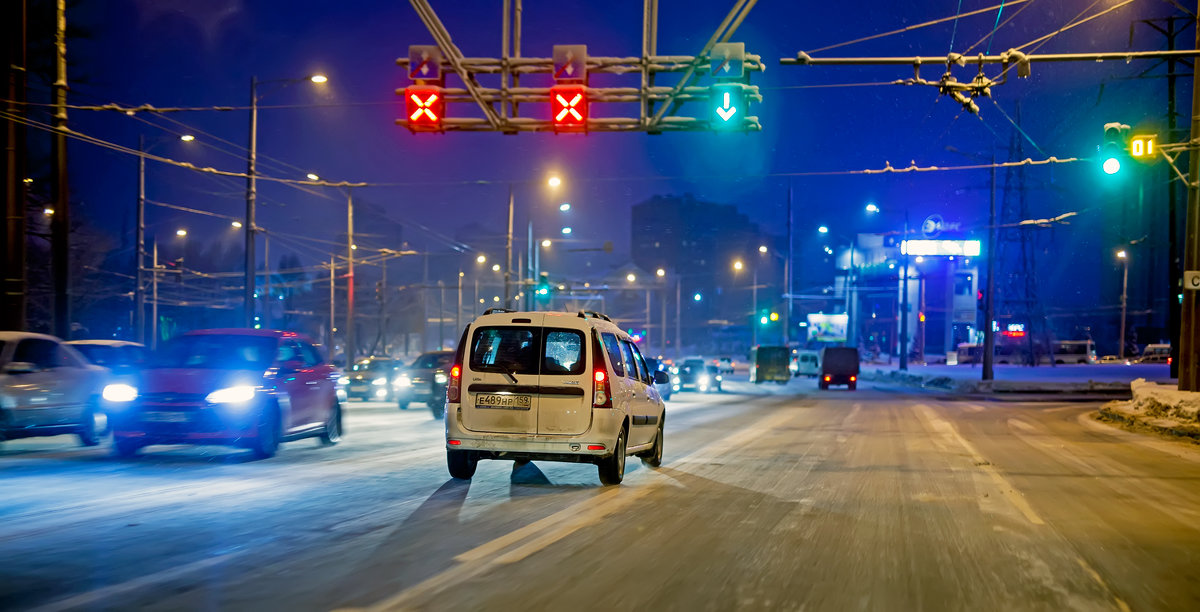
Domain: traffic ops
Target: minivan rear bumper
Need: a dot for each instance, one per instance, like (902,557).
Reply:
(606,422)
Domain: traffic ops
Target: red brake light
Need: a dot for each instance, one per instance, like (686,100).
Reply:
(453,442)
(827,379)
(853,378)
(595,447)
(601,397)
(453,388)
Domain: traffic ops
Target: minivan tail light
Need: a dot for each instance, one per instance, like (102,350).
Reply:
(853,378)
(454,385)
(828,378)
(601,395)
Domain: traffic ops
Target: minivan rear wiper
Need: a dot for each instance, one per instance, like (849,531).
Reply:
(511,374)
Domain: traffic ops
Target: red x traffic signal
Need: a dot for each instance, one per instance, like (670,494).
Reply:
(424,107)
(568,108)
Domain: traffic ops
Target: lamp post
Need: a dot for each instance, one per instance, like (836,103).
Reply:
(1124,257)
(180,233)
(903,345)
(139,292)
(553,182)
(737,267)
(252,192)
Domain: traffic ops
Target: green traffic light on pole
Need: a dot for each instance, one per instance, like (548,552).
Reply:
(1113,150)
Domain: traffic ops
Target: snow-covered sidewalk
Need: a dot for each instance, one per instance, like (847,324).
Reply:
(1160,407)
(1085,379)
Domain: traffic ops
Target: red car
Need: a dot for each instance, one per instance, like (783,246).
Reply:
(236,387)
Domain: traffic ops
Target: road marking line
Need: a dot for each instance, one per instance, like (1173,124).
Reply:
(1096,576)
(483,558)
(108,592)
(948,431)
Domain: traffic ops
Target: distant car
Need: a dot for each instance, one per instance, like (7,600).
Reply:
(664,388)
(1113,359)
(725,365)
(371,379)
(47,389)
(710,380)
(235,387)
(687,376)
(424,381)
(806,363)
(1155,358)
(839,366)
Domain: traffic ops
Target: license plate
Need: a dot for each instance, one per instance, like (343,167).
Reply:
(358,388)
(510,402)
(167,417)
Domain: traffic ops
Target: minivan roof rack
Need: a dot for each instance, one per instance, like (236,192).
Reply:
(496,309)
(583,314)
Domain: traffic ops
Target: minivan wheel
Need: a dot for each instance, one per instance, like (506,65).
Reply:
(612,468)
(654,457)
(267,442)
(461,464)
(438,409)
(333,427)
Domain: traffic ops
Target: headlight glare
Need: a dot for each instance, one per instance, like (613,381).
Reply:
(402,381)
(379,382)
(343,380)
(439,378)
(119,392)
(231,395)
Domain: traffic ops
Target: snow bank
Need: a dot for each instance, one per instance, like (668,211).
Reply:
(1155,400)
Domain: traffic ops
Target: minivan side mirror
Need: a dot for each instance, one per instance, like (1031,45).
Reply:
(20,367)
(661,378)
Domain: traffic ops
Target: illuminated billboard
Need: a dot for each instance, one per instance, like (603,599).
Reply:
(828,327)
(941,248)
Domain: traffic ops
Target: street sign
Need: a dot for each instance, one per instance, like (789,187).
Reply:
(568,107)
(1191,280)
(424,63)
(1142,146)
(728,60)
(570,63)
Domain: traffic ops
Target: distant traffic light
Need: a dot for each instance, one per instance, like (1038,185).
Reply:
(568,108)
(543,288)
(1142,145)
(424,108)
(1113,149)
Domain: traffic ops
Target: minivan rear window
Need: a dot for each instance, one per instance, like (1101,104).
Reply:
(527,350)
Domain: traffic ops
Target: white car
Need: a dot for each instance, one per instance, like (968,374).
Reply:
(551,386)
(47,389)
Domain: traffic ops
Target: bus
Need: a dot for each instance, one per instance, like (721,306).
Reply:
(1071,352)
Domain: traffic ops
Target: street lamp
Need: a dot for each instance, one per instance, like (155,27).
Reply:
(737,266)
(252,193)
(852,242)
(1124,257)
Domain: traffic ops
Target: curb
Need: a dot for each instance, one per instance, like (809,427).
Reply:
(997,387)
(1126,421)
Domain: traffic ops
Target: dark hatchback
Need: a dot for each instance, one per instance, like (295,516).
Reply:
(425,381)
(235,387)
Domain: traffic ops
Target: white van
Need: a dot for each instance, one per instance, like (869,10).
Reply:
(552,386)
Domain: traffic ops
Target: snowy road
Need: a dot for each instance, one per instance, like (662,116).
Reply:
(769,498)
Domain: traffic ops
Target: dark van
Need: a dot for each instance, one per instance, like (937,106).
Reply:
(839,366)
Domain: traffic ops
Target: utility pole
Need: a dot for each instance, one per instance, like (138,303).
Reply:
(678,318)
(904,298)
(351,350)
(441,314)
(139,257)
(508,248)
(1189,332)
(251,194)
(1124,298)
(60,222)
(12,308)
(458,311)
(154,300)
(266,297)
(787,274)
(332,321)
(383,308)
(989,296)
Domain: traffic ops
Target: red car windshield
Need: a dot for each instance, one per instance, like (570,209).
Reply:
(214,352)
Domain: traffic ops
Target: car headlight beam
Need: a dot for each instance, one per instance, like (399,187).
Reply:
(239,394)
(379,382)
(119,393)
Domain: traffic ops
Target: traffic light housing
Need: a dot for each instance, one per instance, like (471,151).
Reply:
(542,292)
(569,108)
(1113,151)
(424,108)
(728,106)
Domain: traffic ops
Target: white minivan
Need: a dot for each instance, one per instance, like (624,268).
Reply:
(552,386)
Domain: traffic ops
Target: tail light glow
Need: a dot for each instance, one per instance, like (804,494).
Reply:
(601,397)
(853,378)
(453,442)
(828,378)
(595,447)
(453,389)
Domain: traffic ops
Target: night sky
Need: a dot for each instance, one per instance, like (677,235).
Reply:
(184,53)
